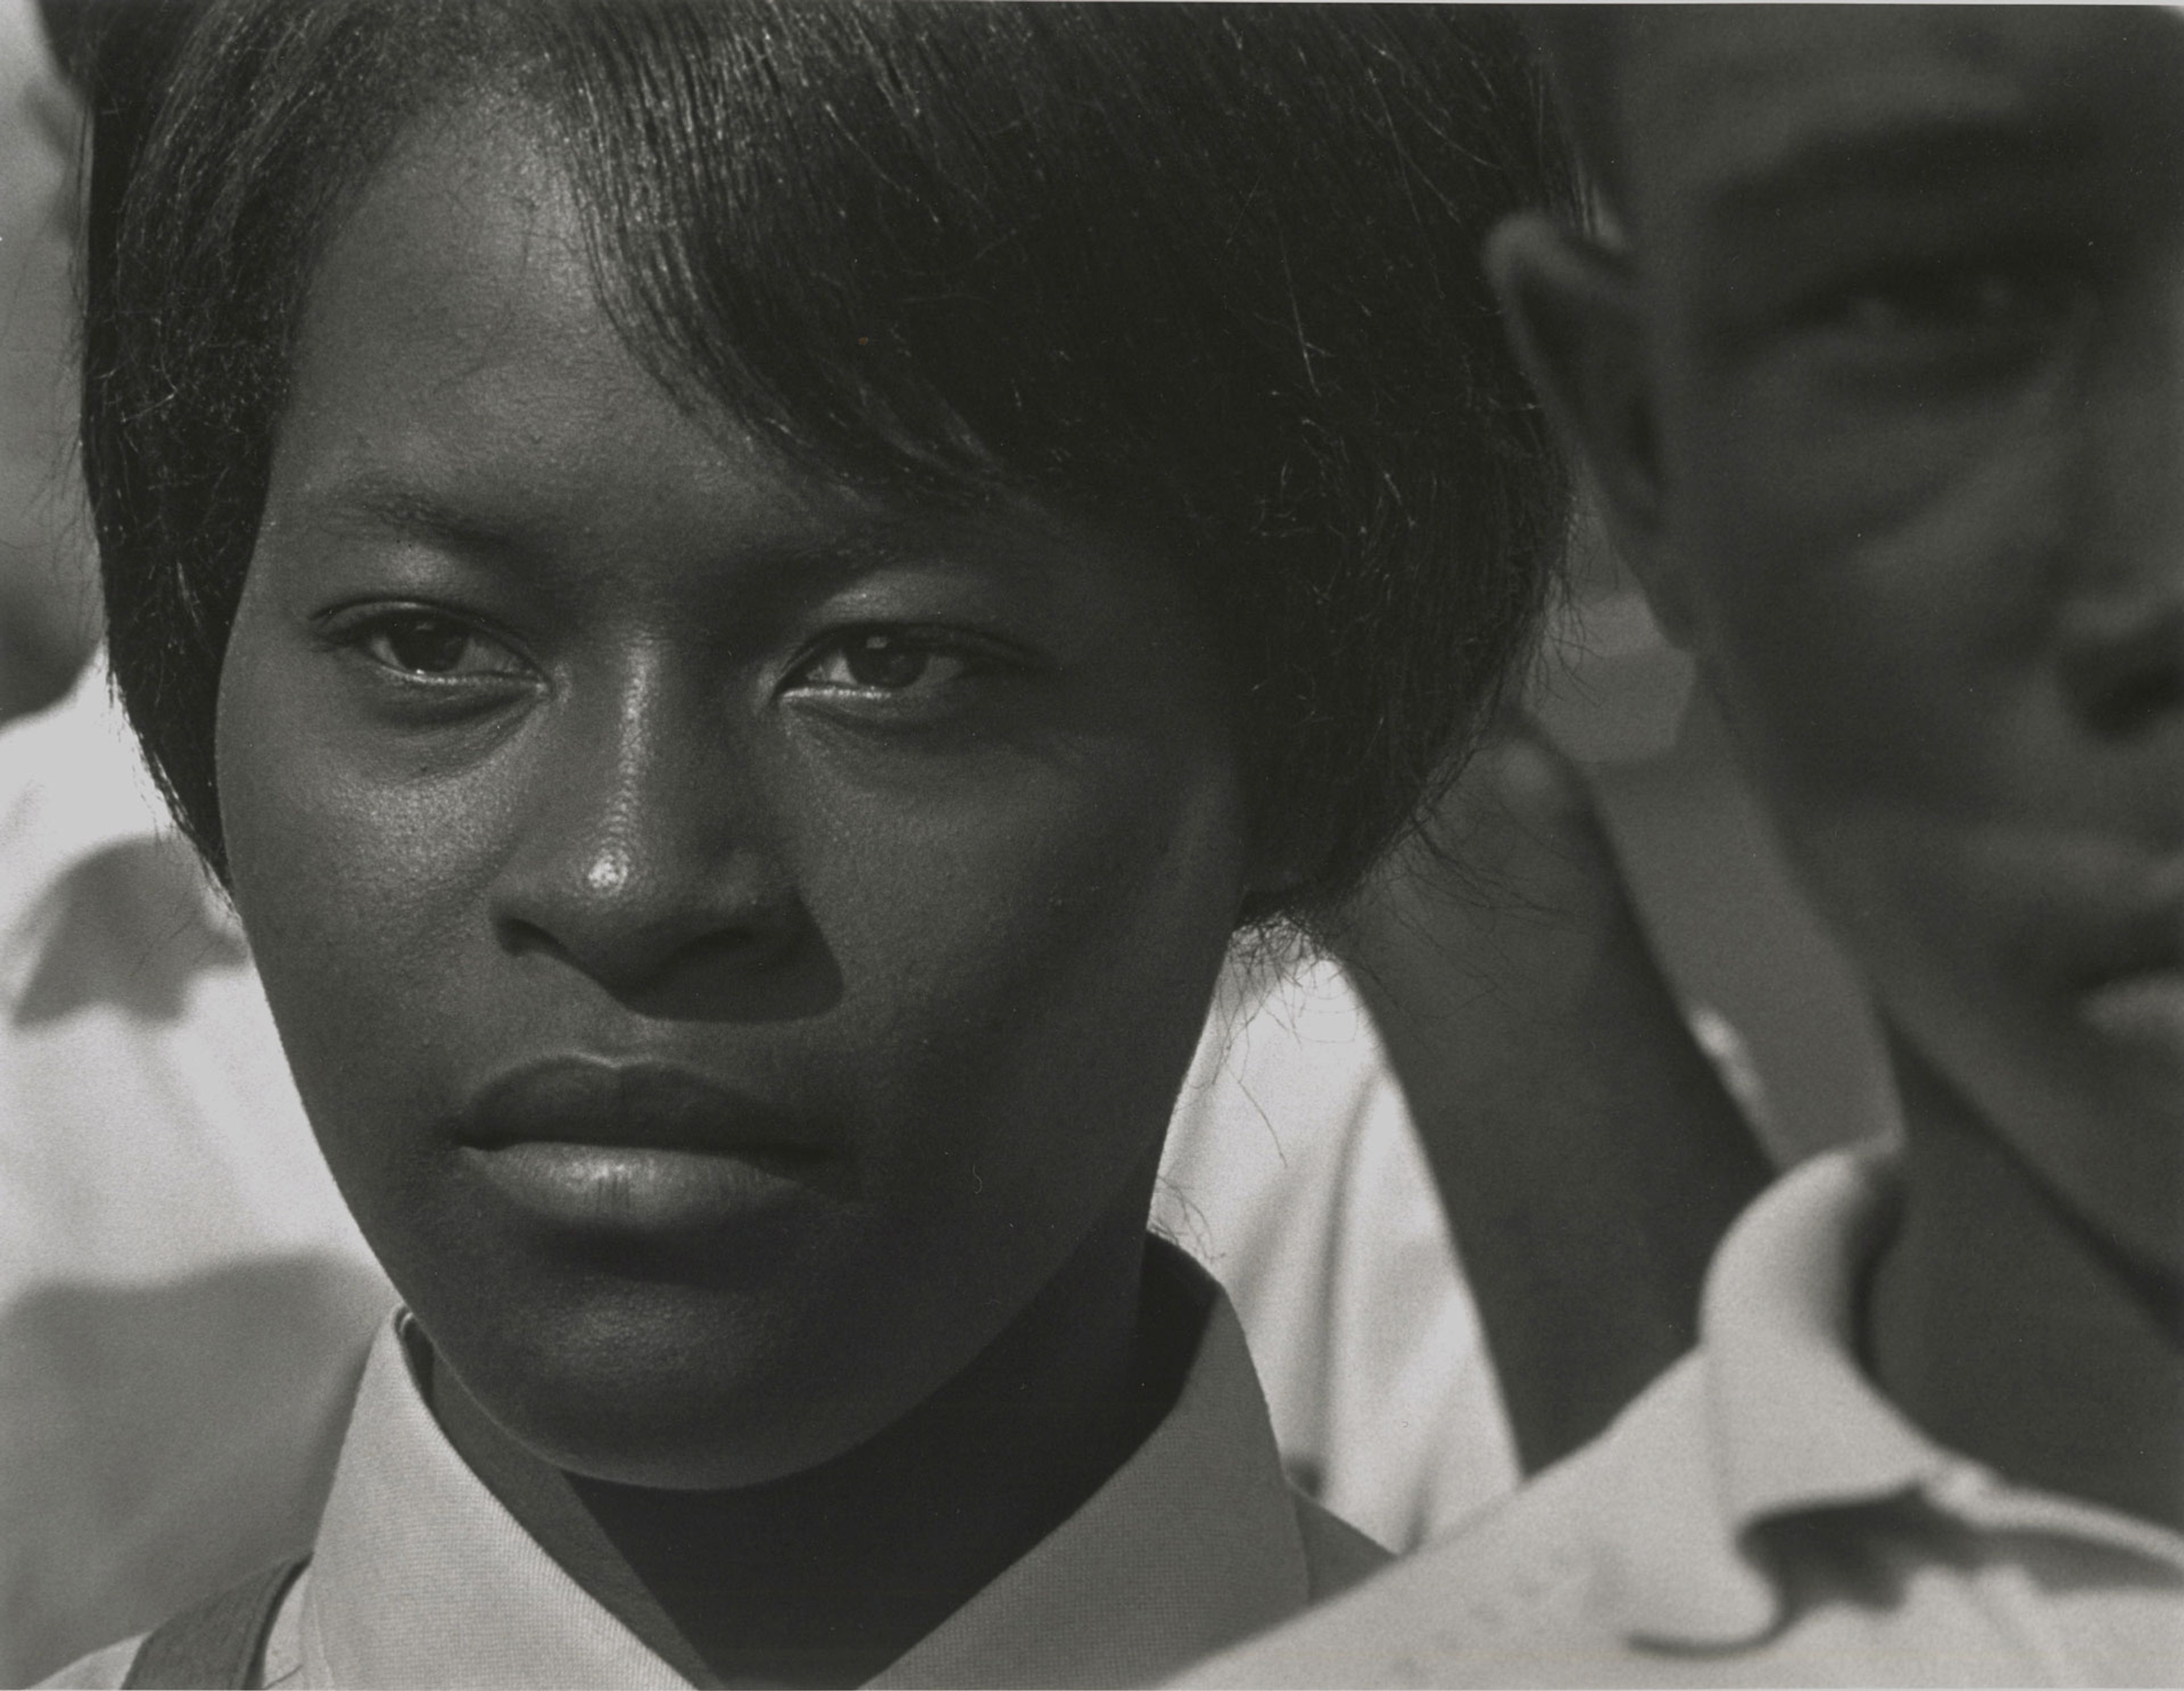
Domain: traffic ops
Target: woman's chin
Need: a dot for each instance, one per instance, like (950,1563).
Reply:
(639,1397)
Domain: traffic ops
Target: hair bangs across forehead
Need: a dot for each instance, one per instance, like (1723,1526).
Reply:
(789,214)
(1209,275)
(1027,243)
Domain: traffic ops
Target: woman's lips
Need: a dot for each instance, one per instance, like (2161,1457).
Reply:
(647,1148)
(622,1188)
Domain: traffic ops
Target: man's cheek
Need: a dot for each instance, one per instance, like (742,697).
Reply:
(1838,455)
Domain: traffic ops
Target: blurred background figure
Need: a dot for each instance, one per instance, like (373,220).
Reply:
(1604,996)
(48,594)
(183,1299)
(1769,991)
(1875,351)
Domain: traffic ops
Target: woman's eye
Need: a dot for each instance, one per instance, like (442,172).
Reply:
(421,644)
(883,661)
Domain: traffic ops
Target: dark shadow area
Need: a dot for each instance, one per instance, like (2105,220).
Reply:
(1733,931)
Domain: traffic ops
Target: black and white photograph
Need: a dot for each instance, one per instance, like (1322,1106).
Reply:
(1087,843)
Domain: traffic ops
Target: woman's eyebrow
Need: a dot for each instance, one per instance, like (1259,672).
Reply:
(372,500)
(375,504)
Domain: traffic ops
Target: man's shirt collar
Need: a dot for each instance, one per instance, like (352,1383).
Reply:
(1790,1424)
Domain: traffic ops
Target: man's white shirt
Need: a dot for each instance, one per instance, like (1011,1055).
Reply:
(1762,1515)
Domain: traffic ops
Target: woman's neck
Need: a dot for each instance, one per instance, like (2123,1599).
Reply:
(2006,1328)
(825,1578)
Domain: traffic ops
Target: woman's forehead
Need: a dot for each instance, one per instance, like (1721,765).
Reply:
(465,247)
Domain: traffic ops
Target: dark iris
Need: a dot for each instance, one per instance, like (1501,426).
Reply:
(425,644)
(885,660)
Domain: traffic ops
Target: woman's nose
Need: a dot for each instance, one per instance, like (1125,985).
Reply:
(646,857)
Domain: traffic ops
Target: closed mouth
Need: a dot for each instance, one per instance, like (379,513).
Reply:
(581,1100)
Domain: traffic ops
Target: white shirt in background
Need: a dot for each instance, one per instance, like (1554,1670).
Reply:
(1293,1171)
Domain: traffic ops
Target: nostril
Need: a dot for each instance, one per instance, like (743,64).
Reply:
(766,966)
(641,934)
(2127,679)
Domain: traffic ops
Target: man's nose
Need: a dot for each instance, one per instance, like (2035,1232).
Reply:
(2122,663)
(2121,648)
(647,858)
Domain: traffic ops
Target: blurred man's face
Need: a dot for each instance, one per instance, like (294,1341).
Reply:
(48,590)
(1888,400)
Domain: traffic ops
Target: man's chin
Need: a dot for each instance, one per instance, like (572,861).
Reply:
(2104,1139)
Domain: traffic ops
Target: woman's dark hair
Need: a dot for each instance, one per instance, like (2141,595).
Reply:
(1585,47)
(1210,274)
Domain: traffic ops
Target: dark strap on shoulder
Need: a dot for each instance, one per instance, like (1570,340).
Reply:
(221,1643)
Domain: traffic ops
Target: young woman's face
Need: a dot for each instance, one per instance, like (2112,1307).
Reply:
(735,939)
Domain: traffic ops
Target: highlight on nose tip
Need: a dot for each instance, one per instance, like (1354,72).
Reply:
(608,874)
(631,919)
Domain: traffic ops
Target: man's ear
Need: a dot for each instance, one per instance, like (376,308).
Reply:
(1572,310)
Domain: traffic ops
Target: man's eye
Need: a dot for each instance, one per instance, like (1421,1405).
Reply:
(421,644)
(1957,300)
(881,660)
